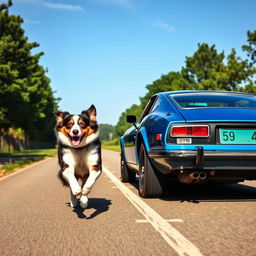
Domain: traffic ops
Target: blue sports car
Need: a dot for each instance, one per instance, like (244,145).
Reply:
(191,136)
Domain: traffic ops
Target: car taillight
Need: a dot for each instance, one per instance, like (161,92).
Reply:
(196,130)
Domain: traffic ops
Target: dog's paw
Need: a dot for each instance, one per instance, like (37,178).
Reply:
(77,193)
(83,201)
(86,191)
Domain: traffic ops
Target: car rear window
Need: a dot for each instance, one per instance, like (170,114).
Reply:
(215,101)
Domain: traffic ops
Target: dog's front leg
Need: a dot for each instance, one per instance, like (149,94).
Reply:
(73,200)
(94,174)
(69,176)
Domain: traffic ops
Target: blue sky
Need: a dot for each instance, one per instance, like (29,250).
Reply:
(105,52)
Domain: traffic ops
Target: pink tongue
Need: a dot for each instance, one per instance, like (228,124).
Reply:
(75,142)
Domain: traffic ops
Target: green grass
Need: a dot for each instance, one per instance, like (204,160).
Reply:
(111,145)
(19,164)
(31,152)
(17,160)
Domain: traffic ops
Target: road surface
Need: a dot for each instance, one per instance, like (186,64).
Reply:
(35,217)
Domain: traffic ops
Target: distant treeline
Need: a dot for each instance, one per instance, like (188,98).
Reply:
(207,69)
(27,101)
(107,132)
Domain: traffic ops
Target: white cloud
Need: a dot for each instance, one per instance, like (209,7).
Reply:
(163,25)
(121,3)
(65,7)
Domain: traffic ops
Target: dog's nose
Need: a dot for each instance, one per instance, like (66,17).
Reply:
(75,132)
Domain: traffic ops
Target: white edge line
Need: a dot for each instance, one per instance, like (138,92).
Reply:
(168,220)
(172,236)
(24,169)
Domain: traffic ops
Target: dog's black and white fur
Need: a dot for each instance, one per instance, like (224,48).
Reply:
(79,153)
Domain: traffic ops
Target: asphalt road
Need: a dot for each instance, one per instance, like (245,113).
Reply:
(35,217)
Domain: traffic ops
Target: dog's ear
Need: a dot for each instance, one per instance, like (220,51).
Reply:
(91,112)
(60,116)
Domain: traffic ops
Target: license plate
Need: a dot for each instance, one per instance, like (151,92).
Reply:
(238,136)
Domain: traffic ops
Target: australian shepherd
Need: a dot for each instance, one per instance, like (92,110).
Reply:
(79,153)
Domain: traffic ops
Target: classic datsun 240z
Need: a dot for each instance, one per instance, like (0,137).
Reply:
(191,136)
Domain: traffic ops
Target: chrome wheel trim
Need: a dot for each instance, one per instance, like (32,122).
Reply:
(141,178)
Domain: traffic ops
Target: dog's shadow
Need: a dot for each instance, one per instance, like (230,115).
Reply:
(99,205)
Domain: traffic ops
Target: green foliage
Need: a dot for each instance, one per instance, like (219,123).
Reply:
(26,97)
(169,82)
(122,125)
(205,70)
(251,48)
(107,132)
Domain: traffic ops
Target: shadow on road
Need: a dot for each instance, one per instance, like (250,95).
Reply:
(211,192)
(100,205)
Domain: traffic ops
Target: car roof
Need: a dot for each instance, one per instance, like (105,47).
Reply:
(167,93)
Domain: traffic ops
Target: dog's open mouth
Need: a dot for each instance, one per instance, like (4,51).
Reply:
(76,140)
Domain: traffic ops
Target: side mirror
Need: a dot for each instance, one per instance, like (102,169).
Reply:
(131,119)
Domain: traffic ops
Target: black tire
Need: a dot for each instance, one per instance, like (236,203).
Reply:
(126,174)
(150,181)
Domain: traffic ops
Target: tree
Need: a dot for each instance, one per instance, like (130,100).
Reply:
(26,97)
(238,72)
(251,48)
(169,82)
(251,54)
(207,69)
(122,125)
(107,132)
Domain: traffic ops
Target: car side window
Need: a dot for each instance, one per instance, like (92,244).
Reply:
(154,105)
(151,106)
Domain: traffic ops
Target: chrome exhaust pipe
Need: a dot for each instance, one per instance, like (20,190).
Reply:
(195,175)
(203,175)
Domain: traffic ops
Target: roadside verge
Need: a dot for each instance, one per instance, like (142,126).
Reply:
(13,162)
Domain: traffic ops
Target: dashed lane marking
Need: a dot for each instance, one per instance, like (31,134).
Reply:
(172,236)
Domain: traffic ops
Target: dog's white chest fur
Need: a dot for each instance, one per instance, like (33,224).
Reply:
(81,160)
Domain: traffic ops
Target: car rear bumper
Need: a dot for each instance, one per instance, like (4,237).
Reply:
(201,159)
(208,154)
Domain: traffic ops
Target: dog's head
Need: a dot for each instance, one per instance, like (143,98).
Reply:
(77,130)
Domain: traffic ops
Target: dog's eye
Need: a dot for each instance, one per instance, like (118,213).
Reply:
(82,124)
(69,125)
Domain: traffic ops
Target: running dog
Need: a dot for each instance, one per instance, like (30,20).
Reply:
(79,153)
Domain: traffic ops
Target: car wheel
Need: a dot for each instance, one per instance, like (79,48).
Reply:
(149,180)
(126,174)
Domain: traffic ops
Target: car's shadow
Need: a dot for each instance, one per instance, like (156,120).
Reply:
(208,192)
(99,205)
